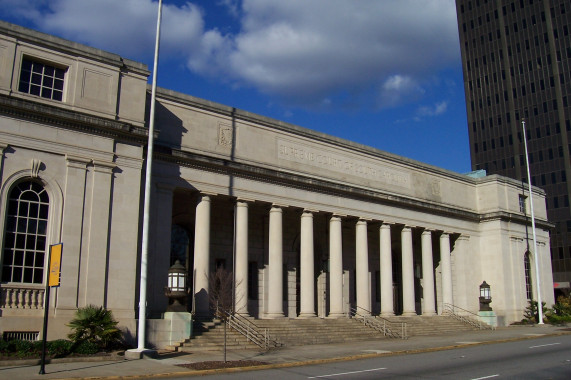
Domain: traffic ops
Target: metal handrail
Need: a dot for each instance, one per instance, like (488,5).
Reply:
(379,323)
(260,337)
(471,319)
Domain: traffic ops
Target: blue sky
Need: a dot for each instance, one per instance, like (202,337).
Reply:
(384,73)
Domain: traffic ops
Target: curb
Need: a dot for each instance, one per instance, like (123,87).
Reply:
(314,361)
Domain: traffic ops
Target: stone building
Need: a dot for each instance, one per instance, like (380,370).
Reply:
(310,224)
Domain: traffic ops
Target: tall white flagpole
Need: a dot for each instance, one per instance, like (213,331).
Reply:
(146,208)
(535,256)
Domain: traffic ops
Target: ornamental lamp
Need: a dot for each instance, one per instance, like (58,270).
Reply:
(176,289)
(485,297)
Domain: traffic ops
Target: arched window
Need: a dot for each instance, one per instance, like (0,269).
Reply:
(527,269)
(25,234)
(179,245)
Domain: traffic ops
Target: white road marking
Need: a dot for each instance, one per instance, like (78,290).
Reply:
(486,377)
(467,342)
(545,345)
(346,373)
(377,351)
(535,334)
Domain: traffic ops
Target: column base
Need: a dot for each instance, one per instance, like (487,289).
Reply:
(306,315)
(428,314)
(388,314)
(336,315)
(409,313)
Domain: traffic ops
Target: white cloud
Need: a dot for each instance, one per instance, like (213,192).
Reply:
(434,110)
(297,49)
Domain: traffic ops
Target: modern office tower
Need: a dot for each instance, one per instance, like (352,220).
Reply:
(516,58)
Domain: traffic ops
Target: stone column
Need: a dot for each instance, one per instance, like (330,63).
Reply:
(275,281)
(362,268)
(407,272)
(202,256)
(335,268)
(386,288)
(429,305)
(446,269)
(307,283)
(241,287)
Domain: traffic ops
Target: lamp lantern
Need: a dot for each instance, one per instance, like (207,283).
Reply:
(485,297)
(176,289)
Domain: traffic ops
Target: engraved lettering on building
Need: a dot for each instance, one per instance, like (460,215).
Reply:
(322,158)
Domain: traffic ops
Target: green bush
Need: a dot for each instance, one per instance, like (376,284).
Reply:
(531,313)
(58,348)
(95,325)
(86,348)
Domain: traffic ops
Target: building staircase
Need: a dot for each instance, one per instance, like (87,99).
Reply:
(209,334)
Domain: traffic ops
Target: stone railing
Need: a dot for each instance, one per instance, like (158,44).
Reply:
(21,297)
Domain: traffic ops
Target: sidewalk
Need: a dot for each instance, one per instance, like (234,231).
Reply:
(299,355)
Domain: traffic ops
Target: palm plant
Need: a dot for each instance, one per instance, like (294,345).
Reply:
(96,325)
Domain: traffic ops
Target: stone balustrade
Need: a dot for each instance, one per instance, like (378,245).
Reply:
(21,297)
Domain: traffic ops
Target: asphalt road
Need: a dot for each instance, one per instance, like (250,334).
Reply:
(542,358)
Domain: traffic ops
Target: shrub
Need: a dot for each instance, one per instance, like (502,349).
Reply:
(58,348)
(531,313)
(95,325)
(86,348)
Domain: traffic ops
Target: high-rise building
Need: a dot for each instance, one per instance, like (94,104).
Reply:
(516,58)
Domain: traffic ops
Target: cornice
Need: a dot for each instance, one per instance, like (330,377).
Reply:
(46,114)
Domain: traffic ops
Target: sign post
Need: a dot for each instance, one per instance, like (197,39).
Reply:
(53,280)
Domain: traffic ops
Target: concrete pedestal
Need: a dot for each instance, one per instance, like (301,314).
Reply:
(488,317)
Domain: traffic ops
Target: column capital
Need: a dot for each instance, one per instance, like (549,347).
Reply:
(207,193)
(279,205)
(338,216)
(428,230)
(309,211)
(244,200)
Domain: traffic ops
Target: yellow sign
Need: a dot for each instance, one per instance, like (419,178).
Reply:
(55,264)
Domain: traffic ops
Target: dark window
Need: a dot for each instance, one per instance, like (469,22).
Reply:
(41,79)
(25,234)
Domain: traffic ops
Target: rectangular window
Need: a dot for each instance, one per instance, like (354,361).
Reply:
(522,207)
(41,79)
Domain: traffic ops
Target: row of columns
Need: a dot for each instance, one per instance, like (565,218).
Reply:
(274,307)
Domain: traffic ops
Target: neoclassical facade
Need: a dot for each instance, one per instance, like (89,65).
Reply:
(310,225)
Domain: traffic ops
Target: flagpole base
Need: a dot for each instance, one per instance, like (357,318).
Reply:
(137,353)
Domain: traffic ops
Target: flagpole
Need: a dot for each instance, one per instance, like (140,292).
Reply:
(535,258)
(140,351)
